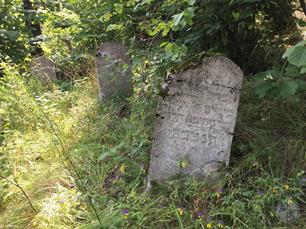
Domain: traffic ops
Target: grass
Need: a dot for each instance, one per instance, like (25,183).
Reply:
(83,164)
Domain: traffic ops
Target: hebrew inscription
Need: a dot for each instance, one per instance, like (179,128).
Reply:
(195,121)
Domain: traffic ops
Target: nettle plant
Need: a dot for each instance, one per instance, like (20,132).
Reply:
(287,81)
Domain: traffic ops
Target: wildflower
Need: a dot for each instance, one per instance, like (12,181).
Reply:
(199,214)
(259,194)
(180,211)
(184,163)
(220,224)
(286,186)
(209,225)
(219,191)
(289,201)
(254,163)
(274,191)
(125,213)
(269,76)
(122,168)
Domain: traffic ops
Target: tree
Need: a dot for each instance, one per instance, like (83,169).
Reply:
(32,25)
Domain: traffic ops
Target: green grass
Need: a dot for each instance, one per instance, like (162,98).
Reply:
(83,164)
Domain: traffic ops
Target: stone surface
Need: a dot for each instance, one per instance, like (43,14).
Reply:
(113,71)
(288,211)
(195,121)
(44,69)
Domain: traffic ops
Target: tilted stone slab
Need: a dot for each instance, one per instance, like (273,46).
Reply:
(113,70)
(195,122)
(44,69)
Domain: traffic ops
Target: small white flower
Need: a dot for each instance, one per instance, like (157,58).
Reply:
(269,76)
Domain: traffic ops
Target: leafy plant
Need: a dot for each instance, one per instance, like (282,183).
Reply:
(285,82)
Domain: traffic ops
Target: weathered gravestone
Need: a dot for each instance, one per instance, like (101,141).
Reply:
(44,69)
(113,71)
(195,121)
(288,211)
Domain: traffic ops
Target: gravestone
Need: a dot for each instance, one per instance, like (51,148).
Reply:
(113,70)
(44,69)
(195,121)
(288,211)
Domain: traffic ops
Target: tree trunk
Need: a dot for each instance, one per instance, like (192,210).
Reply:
(32,25)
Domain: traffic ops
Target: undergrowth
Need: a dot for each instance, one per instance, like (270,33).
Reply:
(69,160)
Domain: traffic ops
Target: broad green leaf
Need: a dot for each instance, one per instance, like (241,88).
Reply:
(191,2)
(262,89)
(296,55)
(292,71)
(303,70)
(269,75)
(302,84)
(288,88)
(260,76)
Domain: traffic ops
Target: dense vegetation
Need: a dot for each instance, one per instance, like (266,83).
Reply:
(68,160)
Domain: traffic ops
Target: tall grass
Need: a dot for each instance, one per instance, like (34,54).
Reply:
(83,164)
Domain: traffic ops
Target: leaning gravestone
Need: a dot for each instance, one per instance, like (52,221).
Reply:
(113,71)
(44,69)
(195,121)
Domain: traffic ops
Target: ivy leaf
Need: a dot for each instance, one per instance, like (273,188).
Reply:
(164,27)
(188,15)
(118,8)
(296,55)
(288,88)
(112,27)
(177,18)
(236,15)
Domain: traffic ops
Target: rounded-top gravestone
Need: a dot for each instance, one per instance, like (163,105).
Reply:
(113,70)
(195,121)
(44,69)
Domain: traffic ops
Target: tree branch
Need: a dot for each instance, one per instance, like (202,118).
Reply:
(22,190)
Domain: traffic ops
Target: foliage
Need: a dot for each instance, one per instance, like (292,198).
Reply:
(16,38)
(13,35)
(288,80)
(172,30)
